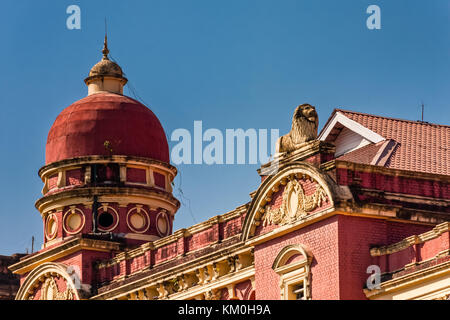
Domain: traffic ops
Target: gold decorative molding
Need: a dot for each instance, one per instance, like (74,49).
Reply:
(73,245)
(192,279)
(295,204)
(50,291)
(326,189)
(423,284)
(150,197)
(43,278)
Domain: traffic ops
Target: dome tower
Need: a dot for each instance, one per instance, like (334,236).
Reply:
(107,168)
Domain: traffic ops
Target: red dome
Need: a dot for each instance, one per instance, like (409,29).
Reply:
(106,124)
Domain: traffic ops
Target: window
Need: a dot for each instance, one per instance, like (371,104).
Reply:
(105,173)
(105,220)
(293,266)
(297,291)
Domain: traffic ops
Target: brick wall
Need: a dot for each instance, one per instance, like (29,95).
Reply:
(341,249)
(175,249)
(416,253)
(356,237)
(322,239)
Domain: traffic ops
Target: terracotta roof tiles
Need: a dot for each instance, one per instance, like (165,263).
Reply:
(421,146)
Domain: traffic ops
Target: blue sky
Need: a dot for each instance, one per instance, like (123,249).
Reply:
(232,64)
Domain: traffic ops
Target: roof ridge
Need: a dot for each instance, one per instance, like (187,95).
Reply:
(391,118)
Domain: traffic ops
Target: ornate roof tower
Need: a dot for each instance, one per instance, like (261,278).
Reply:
(107,166)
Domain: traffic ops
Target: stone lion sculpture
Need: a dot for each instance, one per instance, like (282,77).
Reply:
(304,128)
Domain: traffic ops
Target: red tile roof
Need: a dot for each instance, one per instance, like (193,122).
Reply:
(364,154)
(421,146)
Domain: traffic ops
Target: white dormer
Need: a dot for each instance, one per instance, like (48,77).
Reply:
(347,134)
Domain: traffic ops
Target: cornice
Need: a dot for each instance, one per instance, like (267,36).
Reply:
(353,166)
(106,159)
(177,235)
(408,280)
(412,240)
(70,246)
(308,149)
(85,195)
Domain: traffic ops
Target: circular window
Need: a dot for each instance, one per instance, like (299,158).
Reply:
(138,220)
(51,227)
(108,219)
(105,220)
(73,221)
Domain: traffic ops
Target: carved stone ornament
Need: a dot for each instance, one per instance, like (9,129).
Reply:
(49,291)
(304,128)
(295,204)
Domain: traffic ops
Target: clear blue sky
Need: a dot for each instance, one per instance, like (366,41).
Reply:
(231,64)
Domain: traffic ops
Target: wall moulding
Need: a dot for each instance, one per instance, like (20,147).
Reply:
(191,282)
(150,197)
(234,257)
(325,186)
(133,161)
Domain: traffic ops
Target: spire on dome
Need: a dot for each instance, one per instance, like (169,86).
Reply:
(106,75)
(105,50)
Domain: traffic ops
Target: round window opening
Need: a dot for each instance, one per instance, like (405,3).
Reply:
(105,220)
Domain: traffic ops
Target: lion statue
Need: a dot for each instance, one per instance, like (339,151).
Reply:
(304,128)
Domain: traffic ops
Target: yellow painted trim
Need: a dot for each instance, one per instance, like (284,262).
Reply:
(59,252)
(410,281)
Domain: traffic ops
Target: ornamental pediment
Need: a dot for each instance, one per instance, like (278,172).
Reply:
(297,192)
(51,281)
(301,195)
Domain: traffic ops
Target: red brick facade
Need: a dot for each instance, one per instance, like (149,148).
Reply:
(315,223)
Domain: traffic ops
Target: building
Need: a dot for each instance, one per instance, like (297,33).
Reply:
(9,283)
(367,197)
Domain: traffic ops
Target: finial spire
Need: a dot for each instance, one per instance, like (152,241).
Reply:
(106,75)
(105,50)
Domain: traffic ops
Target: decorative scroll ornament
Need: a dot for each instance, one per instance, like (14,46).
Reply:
(295,204)
(50,291)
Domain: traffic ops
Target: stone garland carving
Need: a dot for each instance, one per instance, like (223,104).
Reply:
(295,204)
(50,291)
(212,295)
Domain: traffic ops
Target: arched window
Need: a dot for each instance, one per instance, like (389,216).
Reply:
(293,264)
